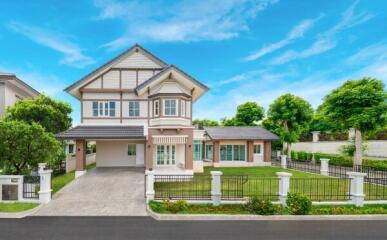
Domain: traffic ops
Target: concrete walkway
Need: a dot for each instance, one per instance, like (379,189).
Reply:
(100,192)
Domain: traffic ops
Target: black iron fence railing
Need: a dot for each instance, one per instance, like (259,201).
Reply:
(304,166)
(187,187)
(31,187)
(322,189)
(375,188)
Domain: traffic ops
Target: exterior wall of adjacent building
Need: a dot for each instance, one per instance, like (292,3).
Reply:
(2,98)
(114,153)
(10,94)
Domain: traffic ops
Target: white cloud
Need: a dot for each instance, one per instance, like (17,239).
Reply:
(327,40)
(297,31)
(184,21)
(73,54)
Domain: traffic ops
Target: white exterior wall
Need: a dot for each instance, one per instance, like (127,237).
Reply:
(170,121)
(128,79)
(144,75)
(375,148)
(111,79)
(2,99)
(97,83)
(115,154)
(188,109)
(137,60)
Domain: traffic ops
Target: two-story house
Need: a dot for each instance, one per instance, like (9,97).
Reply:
(13,89)
(138,110)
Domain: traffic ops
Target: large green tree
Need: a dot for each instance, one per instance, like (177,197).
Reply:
(359,104)
(51,114)
(248,114)
(289,116)
(205,122)
(23,146)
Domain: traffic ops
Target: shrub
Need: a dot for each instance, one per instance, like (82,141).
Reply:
(262,207)
(298,204)
(175,207)
(301,156)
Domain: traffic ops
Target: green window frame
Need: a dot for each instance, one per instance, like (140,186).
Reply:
(131,149)
(197,153)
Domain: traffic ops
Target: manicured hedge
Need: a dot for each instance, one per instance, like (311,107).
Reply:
(337,159)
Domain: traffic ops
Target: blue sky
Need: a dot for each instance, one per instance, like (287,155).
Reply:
(243,50)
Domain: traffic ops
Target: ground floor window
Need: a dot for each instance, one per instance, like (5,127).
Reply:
(166,155)
(132,149)
(209,148)
(231,152)
(197,154)
(71,148)
(258,149)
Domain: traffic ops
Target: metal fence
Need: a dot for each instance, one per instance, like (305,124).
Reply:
(304,166)
(31,186)
(187,187)
(375,188)
(322,189)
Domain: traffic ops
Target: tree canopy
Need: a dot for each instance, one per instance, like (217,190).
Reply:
(205,122)
(52,115)
(23,146)
(289,116)
(248,114)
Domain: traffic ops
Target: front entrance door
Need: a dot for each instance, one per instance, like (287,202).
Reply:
(166,155)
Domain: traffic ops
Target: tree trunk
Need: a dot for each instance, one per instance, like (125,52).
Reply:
(289,150)
(358,148)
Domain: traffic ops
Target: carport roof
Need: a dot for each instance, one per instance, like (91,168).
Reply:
(103,132)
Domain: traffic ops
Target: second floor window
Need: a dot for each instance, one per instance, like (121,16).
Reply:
(156,108)
(104,109)
(134,109)
(170,107)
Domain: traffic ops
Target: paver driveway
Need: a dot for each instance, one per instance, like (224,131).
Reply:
(100,192)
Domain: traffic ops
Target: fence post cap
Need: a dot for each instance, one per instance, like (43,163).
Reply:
(217,173)
(283,174)
(41,171)
(356,174)
(148,172)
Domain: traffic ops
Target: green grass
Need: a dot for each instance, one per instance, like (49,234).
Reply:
(239,209)
(16,207)
(263,182)
(60,181)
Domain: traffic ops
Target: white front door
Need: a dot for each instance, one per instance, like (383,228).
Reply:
(258,153)
(166,155)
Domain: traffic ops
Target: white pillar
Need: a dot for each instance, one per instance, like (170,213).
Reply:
(283,161)
(278,154)
(351,134)
(150,183)
(315,136)
(45,184)
(283,186)
(356,190)
(216,190)
(324,168)
(41,166)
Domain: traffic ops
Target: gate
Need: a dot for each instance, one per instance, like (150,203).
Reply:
(31,187)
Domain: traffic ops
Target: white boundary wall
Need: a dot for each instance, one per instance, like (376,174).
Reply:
(375,148)
(70,161)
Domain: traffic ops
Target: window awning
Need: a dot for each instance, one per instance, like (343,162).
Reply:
(170,139)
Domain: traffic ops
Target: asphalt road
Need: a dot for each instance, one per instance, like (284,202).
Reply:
(139,228)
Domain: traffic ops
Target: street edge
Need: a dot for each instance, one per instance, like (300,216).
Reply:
(20,214)
(241,217)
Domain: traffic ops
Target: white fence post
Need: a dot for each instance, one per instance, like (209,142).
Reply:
(150,183)
(356,189)
(283,161)
(45,184)
(278,154)
(216,191)
(283,186)
(324,168)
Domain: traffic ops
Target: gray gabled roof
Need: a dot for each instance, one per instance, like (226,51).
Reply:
(11,76)
(239,133)
(103,132)
(153,78)
(161,62)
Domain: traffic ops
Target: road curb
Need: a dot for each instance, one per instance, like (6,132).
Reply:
(20,214)
(245,217)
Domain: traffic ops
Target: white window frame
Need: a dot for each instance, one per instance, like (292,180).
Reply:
(135,108)
(176,107)
(103,108)
(256,144)
(232,152)
(182,107)
(156,108)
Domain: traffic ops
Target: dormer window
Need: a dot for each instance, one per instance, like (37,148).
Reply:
(170,107)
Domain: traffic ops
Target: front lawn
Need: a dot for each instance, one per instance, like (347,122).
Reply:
(60,181)
(16,207)
(158,207)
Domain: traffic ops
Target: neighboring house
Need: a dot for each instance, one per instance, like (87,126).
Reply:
(138,110)
(13,89)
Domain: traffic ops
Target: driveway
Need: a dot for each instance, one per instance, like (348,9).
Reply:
(100,192)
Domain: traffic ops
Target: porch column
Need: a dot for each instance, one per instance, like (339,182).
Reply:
(189,151)
(215,153)
(250,151)
(80,165)
(267,151)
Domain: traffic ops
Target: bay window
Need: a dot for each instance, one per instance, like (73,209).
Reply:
(170,107)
